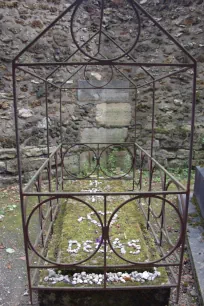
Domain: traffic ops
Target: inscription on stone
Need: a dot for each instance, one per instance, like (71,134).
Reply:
(94,135)
(113,114)
(118,94)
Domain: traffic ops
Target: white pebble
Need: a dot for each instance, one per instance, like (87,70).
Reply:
(80,219)
(123,251)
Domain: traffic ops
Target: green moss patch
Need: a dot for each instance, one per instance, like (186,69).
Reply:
(78,228)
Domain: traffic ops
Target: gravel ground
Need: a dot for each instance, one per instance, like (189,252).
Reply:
(188,292)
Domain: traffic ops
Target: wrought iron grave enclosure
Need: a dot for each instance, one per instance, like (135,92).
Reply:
(105,53)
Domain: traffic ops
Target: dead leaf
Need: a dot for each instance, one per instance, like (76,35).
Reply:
(9,266)
(127,278)
(2,246)
(22,258)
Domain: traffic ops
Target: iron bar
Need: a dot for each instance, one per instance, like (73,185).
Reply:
(47,119)
(127,78)
(105,243)
(134,167)
(163,169)
(165,32)
(103,63)
(62,169)
(123,74)
(130,56)
(158,241)
(151,151)
(163,210)
(40,208)
(101,22)
(123,267)
(192,127)
(164,77)
(37,76)
(106,289)
(56,173)
(61,116)
(130,193)
(162,231)
(69,57)
(185,212)
(34,178)
(97,162)
(99,143)
(94,177)
(23,217)
(46,219)
(41,233)
(44,247)
(73,74)
(96,88)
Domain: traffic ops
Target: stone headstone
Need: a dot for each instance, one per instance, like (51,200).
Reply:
(103,94)
(103,135)
(113,114)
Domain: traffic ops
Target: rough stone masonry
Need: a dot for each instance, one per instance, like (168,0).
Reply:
(88,113)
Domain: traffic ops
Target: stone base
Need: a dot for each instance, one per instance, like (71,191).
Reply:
(141,297)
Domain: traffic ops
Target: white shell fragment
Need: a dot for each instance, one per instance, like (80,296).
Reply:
(90,215)
(122,250)
(88,246)
(98,279)
(81,219)
(70,246)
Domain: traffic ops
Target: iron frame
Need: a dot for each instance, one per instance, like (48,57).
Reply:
(55,196)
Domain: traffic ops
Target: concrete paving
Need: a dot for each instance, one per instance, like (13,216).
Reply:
(195,236)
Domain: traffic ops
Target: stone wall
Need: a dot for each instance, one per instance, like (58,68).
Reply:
(87,115)
(32,159)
